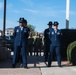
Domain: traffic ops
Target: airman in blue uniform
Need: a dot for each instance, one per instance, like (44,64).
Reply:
(25,25)
(55,38)
(47,40)
(21,34)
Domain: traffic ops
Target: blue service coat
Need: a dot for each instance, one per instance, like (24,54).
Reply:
(55,38)
(47,33)
(20,42)
(20,37)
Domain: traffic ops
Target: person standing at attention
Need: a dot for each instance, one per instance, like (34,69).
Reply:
(55,38)
(47,41)
(20,40)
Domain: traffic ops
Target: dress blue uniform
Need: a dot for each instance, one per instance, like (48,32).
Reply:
(47,40)
(55,38)
(20,43)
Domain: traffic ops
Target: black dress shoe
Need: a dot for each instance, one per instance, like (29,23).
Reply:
(25,67)
(59,66)
(13,65)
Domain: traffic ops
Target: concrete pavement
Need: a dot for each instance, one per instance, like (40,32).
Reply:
(37,66)
(33,68)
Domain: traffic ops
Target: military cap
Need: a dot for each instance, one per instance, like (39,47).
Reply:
(21,20)
(25,21)
(50,23)
(56,23)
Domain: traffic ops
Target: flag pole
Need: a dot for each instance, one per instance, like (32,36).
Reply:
(67,13)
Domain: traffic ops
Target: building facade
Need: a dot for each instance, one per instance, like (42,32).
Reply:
(9,31)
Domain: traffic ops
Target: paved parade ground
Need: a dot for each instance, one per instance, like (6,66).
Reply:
(37,66)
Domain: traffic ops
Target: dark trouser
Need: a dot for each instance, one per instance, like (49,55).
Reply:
(22,50)
(46,52)
(30,49)
(57,50)
(37,48)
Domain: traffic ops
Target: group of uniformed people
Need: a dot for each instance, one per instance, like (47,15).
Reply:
(52,42)
(38,44)
(52,37)
(34,44)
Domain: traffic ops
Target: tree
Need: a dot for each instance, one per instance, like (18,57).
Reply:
(32,28)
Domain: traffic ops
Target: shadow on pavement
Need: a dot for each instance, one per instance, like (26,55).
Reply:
(33,62)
